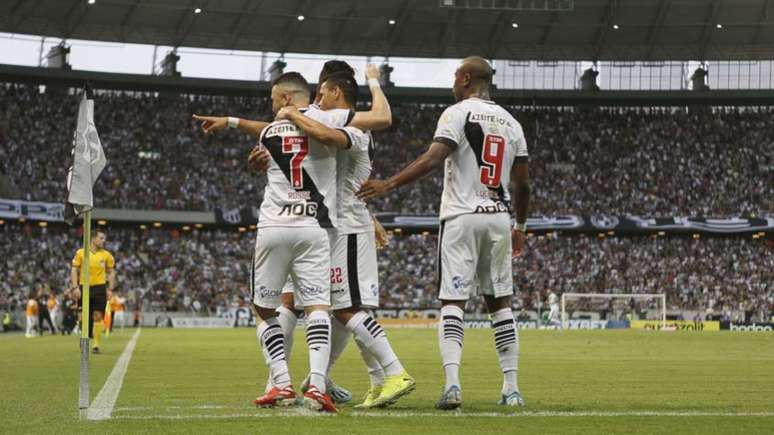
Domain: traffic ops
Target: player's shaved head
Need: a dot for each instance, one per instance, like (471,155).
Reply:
(478,68)
(290,88)
(473,77)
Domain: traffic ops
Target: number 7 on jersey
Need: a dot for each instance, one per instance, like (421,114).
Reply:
(299,147)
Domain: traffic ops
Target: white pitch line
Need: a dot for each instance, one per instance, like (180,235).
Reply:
(102,407)
(457,414)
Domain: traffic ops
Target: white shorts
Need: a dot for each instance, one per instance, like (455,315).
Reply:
(354,274)
(302,254)
(474,256)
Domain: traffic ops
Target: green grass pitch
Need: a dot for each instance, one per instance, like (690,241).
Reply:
(203,381)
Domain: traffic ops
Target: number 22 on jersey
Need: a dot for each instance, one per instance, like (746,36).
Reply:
(492,160)
(299,147)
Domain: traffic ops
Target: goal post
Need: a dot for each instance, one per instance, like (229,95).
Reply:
(661,297)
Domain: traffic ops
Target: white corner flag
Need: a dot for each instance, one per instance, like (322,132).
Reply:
(88,161)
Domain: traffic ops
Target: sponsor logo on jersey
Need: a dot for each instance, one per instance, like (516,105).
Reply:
(374,289)
(492,119)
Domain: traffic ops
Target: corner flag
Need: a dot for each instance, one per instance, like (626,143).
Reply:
(88,161)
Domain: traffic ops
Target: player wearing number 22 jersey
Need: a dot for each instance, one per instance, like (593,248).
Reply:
(482,148)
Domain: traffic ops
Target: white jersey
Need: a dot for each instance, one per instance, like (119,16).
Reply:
(354,168)
(301,187)
(486,140)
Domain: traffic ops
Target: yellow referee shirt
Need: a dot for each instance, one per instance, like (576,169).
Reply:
(99,263)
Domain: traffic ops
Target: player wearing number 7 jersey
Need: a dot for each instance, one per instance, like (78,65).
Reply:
(483,147)
(298,209)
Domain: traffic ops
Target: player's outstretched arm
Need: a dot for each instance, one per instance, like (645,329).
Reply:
(314,129)
(423,165)
(520,192)
(211,124)
(380,115)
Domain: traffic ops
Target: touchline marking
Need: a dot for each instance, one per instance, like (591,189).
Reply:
(102,407)
(404,414)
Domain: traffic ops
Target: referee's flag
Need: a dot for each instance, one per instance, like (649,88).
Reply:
(88,161)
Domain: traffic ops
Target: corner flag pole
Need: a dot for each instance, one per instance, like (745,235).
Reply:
(88,161)
(83,391)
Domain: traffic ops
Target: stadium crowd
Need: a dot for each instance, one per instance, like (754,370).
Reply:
(617,161)
(206,271)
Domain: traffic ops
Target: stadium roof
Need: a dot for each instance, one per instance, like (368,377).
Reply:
(585,30)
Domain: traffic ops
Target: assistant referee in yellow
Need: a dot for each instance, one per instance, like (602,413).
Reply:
(102,281)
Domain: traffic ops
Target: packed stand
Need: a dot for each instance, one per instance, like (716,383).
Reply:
(206,271)
(623,161)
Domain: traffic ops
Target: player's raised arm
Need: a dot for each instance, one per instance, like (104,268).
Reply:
(521,191)
(423,165)
(316,130)
(211,124)
(380,115)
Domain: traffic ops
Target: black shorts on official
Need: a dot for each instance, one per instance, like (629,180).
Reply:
(97,302)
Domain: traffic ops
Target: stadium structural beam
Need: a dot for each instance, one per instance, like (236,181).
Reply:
(500,26)
(350,14)
(81,9)
(553,18)
(604,27)
(12,13)
(447,31)
(709,24)
(128,16)
(761,20)
(393,32)
(658,22)
(242,19)
(301,5)
(187,21)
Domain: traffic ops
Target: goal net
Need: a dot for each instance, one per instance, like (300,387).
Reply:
(605,307)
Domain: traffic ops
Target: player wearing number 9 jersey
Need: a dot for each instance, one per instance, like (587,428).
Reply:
(483,147)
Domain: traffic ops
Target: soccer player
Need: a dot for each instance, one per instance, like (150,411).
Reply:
(553,304)
(32,315)
(483,147)
(102,279)
(118,307)
(54,311)
(354,274)
(298,209)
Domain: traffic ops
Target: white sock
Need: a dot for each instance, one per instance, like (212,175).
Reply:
(507,345)
(339,338)
(368,332)
(269,334)
(287,320)
(451,334)
(318,336)
(375,371)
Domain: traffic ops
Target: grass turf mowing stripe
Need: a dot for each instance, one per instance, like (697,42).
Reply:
(102,407)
